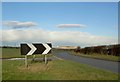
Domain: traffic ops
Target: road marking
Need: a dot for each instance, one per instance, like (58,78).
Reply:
(58,58)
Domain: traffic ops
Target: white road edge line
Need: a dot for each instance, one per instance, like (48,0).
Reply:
(58,58)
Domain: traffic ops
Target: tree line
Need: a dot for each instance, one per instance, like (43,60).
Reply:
(104,49)
(9,47)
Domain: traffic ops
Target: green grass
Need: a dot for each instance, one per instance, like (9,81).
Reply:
(11,53)
(97,56)
(54,70)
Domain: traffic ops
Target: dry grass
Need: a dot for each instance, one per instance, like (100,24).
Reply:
(35,68)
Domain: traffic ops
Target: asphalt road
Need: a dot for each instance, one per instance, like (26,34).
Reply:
(101,64)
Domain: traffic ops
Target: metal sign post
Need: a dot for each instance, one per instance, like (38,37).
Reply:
(33,57)
(45,59)
(26,64)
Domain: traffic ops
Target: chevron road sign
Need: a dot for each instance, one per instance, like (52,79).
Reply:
(36,48)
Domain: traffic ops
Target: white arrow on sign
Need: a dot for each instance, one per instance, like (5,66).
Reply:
(47,48)
(33,49)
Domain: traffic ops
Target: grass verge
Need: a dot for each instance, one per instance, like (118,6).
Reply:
(54,70)
(97,56)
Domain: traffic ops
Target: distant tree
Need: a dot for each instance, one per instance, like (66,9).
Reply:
(78,49)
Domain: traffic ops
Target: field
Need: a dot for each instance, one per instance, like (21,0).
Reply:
(11,53)
(54,70)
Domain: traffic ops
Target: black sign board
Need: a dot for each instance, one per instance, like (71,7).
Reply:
(35,48)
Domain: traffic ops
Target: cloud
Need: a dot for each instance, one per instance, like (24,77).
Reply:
(56,37)
(18,24)
(70,25)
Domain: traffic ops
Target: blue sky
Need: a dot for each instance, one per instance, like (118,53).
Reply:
(60,0)
(98,18)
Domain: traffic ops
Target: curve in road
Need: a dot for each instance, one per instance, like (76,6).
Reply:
(102,64)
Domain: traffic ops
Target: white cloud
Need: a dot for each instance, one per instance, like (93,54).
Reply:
(70,25)
(56,37)
(17,24)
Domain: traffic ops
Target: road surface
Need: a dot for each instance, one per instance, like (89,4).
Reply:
(102,64)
